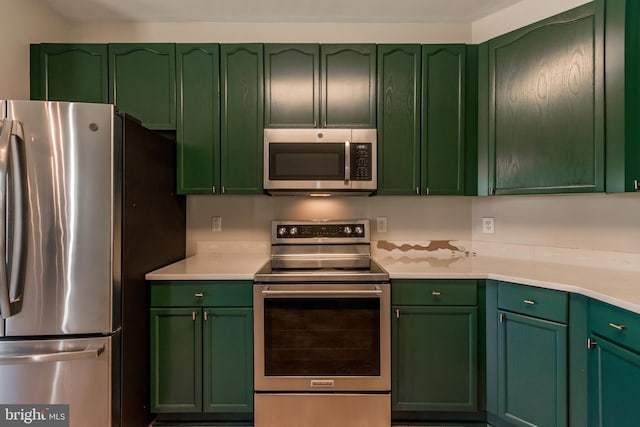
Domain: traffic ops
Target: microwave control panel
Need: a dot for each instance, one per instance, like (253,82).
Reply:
(361,161)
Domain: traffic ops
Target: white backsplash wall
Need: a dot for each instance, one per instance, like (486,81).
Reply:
(595,222)
(248,218)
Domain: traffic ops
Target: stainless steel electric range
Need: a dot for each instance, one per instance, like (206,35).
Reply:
(322,328)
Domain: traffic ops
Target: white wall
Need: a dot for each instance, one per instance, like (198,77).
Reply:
(194,32)
(23,22)
(517,16)
(248,218)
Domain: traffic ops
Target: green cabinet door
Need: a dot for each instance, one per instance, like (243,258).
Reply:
(348,85)
(176,360)
(443,119)
(622,86)
(228,360)
(546,105)
(614,376)
(142,82)
(399,86)
(532,371)
(72,72)
(242,105)
(198,126)
(292,85)
(434,353)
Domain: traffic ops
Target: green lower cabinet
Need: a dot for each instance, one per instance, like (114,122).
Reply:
(176,360)
(434,353)
(228,360)
(532,371)
(614,385)
(202,360)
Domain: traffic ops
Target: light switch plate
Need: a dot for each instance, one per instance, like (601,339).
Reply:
(216,223)
(381,224)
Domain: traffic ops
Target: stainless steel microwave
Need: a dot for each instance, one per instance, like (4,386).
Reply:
(320,161)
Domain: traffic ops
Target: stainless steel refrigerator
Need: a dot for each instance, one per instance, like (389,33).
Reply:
(87,207)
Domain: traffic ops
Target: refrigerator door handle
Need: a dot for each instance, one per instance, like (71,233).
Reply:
(17,203)
(5,145)
(90,352)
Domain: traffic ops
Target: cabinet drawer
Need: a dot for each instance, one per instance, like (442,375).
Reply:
(202,294)
(434,292)
(531,301)
(616,324)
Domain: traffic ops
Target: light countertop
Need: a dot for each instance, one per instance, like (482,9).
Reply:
(617,287)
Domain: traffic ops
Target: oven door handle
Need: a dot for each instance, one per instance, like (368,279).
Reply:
(372,292)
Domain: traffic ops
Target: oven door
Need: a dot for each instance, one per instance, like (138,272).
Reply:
(322,337)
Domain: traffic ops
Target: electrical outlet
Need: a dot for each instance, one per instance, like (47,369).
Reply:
(216,223)
(488,225)
(381,224)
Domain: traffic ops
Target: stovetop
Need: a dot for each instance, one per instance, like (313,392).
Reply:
(321,251)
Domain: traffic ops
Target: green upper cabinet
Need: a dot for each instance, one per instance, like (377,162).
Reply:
(310,85)
(348,76)
(443,119)
(546,105)
(70,72)
(142,82)
(399,86)
(242,101)
(622,81)
(198,125)
(422,122)
(292,85)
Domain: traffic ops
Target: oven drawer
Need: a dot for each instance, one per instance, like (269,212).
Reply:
(546,304)
(202,294)
(434,292)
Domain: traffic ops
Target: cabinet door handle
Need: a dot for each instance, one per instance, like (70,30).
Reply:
(199,294)
(591,343)
(618,327)
(418,191)
(426,191)
(213,189)
(530,302)
(636,184)
(436,293)
(194,315)
(206,315)
(397,313)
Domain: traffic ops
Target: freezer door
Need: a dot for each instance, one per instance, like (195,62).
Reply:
(75,372)
(65,268)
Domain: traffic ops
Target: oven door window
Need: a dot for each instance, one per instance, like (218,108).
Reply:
(306,162)
(322,336)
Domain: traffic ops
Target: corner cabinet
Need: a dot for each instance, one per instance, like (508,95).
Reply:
(202,348)
(198,124)
(242,118)
(614,366)
(434,347)
(622,81)
(546,105)
(70,72)
(422,122)
(532,356)
(310,85)
(142,82)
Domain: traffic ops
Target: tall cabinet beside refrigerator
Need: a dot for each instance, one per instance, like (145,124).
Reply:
(87,207)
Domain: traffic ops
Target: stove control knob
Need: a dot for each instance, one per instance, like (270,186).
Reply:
(347,230)
(359,230)
(282,231)
(293,231)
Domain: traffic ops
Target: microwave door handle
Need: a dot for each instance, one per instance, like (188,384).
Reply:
(347,162)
